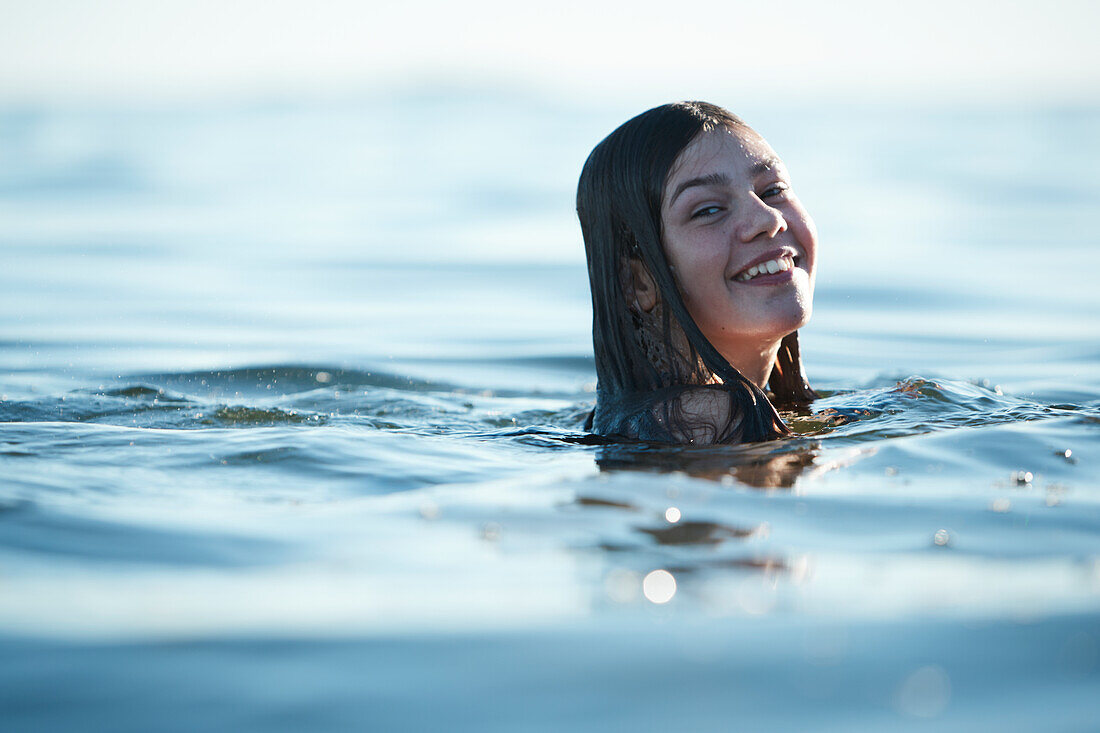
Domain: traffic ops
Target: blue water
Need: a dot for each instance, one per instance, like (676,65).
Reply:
(291,405)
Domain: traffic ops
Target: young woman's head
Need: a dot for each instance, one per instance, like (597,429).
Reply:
(702,263)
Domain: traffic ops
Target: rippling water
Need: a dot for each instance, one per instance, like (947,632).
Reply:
(291,400)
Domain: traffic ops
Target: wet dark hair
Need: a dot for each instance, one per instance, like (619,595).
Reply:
(619,205)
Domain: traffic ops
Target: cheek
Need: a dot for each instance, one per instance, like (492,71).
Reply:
(701,256)
(805,233)
(702,276)
(688,262)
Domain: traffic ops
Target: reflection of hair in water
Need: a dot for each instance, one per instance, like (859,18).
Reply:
(768,470)
(659,378)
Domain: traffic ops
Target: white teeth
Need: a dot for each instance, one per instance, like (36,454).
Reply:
(766,268)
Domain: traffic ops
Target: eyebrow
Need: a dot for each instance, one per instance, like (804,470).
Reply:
(721,179)
(712,179)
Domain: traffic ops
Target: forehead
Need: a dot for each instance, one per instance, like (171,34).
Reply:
(735,153)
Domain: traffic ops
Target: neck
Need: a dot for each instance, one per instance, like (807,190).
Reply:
(754,362)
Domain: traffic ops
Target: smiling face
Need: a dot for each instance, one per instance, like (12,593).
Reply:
(742,248)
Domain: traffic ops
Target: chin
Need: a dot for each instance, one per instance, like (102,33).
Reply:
(789,322)
(797,313)
(804,318)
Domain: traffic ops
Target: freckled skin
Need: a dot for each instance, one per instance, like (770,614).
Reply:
(713,231)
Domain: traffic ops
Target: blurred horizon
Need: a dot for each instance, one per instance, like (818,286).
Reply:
(61,51)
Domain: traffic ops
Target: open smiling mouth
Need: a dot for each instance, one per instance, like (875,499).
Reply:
(769,267)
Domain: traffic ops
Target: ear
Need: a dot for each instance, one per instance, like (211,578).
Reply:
(642,289)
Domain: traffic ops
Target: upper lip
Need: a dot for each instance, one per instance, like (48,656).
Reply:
(774,254)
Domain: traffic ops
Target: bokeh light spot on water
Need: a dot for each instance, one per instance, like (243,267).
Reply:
(756,595)
(659,586)
(1000,505)
(1022,478)
(429,510)
(621,586)
(672,515)
(799,570)
(925,693)
(941,538)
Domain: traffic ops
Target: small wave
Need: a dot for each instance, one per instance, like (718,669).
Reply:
(294,380)
(279,454)
(141,391)
(284,380)
(242,416)
(917,405)
(130,405)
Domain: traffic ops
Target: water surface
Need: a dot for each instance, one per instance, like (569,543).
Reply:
(291,406)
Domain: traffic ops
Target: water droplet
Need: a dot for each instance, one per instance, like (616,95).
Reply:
(1001,505)
(941,538)
(659,586)
(672,515)
(891,471)
(490,531)
(1022,478)
(429,510)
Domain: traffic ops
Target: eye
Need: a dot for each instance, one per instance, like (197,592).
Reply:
(705,212)
(776,189)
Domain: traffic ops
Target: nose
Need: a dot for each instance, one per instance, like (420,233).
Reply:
(759,219)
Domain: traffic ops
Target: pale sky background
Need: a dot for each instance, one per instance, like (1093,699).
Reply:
(164,49)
